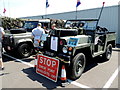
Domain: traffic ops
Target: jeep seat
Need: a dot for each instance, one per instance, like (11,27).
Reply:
(65,32)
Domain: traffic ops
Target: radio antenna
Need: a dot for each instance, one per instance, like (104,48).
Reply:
(100,14)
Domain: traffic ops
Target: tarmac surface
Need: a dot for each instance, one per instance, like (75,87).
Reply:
(19,73)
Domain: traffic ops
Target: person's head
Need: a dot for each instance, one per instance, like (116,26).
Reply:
(53,26)
(81,24)
(45,27)
(39,24)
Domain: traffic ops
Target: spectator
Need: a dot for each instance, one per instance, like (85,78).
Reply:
(46,30)
(52,31)
(37,34)
(80,28)
(1,37)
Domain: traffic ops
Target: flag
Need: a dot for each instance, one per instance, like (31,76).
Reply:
(103,3)
(78,3)
(4,10)
(47,4)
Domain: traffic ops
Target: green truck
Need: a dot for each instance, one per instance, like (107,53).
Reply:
(73,49)
(20,39)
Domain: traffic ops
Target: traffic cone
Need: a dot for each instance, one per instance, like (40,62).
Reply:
(63,74)
(64,81)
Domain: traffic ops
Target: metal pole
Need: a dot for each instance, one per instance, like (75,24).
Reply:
(76,14)
(45,12)
(9,7)
(100,14)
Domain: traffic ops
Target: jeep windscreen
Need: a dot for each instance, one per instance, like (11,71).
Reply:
(88,24)
(29,25)
(71,24)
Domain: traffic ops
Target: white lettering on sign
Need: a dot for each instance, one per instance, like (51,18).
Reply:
(42,67)
(47,62)
(53,63)
(50,70)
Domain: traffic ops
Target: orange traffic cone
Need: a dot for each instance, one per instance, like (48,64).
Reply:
(64,81)
(63,74)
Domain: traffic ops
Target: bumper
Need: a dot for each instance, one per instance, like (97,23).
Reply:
(61,57)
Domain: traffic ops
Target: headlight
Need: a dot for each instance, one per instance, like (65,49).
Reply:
(64,49)
(41,44)
(11,39)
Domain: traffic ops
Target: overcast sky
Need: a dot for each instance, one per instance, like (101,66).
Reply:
(23,8)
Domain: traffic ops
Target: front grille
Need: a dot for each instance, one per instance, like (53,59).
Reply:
(7,40)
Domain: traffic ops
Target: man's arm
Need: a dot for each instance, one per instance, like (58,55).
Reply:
(3,33)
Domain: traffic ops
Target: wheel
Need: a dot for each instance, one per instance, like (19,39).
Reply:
(107,55)
(25,50)
(78,65)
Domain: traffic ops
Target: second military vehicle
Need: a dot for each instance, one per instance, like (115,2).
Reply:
(20,39)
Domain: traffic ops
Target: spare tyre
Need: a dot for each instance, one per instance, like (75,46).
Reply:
(16,31)
(65,32)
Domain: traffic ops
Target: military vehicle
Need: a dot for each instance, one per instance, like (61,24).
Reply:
(20,39)
(73,49)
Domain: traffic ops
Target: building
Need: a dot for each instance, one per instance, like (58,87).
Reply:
(110,17)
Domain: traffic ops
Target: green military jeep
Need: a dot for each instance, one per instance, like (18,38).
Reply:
(73,49)
(20,40)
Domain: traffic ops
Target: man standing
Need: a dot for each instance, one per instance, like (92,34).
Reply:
(37,34)
(1,37)
(80,29)
(52,31)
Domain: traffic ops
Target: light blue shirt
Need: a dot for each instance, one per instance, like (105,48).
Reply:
(37,33)
(1,32)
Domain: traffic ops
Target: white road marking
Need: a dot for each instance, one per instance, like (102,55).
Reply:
(72,82)
(28,64)
(111,79)
(77,84)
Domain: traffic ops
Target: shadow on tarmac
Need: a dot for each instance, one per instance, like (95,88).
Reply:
(93,63)
(3,73)
(6,59)
(44,81)
(52,85)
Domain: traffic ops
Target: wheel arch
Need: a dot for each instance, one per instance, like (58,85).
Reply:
(25,42)
(86,51)
(112,43)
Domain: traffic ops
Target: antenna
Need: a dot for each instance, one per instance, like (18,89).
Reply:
(100,14)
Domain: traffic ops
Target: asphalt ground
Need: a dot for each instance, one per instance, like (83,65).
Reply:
(19,73)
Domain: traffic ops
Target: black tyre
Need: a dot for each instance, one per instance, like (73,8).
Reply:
(78,65)
(107,55)
(25,50)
